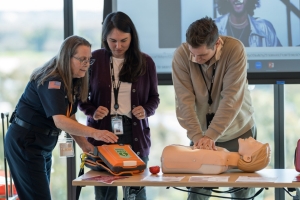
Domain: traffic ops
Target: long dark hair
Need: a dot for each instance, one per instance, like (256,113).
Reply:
(134,63)
(60,66)
(223,6)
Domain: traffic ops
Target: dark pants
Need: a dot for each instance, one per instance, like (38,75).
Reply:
(232,146)
(111,193)
(29,157)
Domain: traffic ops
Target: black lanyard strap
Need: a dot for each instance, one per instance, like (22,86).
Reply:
(116,87)
(210,101)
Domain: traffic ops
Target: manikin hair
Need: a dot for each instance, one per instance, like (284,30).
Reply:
(259,160)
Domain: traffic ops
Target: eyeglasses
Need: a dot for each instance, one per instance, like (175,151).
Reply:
(85,61)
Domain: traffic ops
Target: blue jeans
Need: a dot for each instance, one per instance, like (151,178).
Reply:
(111,193)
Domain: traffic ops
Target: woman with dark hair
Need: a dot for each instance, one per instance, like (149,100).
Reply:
(123,91)
(237,21)
(47,107)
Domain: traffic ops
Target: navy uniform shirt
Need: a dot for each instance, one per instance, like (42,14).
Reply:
(38,104)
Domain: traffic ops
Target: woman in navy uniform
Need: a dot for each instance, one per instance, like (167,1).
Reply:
(47,107)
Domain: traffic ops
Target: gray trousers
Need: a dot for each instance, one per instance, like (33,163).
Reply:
(232,146)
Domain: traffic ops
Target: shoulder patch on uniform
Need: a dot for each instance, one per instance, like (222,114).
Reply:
(54,85)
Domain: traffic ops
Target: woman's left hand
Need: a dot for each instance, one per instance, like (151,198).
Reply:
(139,112)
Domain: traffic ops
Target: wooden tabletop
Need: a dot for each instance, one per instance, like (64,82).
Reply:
(280,178)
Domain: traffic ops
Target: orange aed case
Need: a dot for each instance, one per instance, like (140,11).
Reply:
(117,159)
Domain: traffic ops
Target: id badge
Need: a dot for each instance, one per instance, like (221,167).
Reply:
(66,147)
(117,125)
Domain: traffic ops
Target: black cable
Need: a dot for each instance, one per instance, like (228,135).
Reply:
(288,192)
(256,194)
(232,190)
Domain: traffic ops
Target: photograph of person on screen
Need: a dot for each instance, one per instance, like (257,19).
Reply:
(237,20)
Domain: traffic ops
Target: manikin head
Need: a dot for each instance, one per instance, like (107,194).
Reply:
(254,155)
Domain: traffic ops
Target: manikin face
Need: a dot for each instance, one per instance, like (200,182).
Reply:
(118,42)
(80,62)
(238,6)
(247,147)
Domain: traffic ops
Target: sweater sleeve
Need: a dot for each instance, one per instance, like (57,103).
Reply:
(234,84)
(185,94)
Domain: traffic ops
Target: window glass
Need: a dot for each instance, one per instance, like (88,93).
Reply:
(31,32)
(291,122)
(263,103)
(88,17)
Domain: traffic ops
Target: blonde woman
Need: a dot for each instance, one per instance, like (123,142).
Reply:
(47,107)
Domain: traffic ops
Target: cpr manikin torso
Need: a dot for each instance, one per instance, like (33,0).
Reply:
(252,156)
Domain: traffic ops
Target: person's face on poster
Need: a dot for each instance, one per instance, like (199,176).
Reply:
(238,6)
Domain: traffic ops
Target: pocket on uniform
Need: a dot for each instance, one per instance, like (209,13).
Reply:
(29,138)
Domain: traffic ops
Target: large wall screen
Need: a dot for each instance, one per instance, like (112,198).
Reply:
(271,34)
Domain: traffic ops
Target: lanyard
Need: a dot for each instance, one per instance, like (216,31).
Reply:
(210,101)
(116,87)
(69,110)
